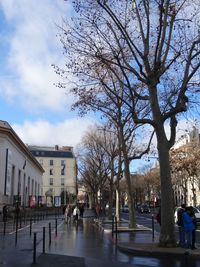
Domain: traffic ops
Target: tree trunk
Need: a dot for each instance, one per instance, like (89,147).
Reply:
(167,237)
(132,221)
(117,206)
(110,200)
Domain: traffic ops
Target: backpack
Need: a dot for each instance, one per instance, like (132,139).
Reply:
(180,217)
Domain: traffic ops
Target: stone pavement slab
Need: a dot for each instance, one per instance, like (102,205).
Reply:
(57,260)
(54,260)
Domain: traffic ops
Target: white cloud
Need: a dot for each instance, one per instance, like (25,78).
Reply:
(33,48)
(68,132)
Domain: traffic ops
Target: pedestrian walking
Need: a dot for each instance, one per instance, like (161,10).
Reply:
(98,211)
(188,226)
(181,226)
(81,209)
(158,216)
(63,211)
(5,213)
(68,213)
(76,214)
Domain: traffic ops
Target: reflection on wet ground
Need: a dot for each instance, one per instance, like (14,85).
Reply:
(87,240)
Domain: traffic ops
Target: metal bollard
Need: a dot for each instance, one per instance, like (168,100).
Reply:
(30,226)
(43,244)
(112,225)
(49,234)
(16,229)
(116,228)
(4,227)
(56,227)
(153,228)
(34,248)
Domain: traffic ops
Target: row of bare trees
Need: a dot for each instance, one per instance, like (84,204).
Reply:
(98,164)
(137,63)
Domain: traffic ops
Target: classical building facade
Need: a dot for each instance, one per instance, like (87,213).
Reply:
(20,172)
(60,176)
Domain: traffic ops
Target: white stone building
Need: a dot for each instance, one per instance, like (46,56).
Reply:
(60,168)
(20,172)
(179,196)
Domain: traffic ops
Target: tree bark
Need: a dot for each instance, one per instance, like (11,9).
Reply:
(167,236)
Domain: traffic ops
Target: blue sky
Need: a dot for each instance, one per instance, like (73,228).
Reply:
(37,110)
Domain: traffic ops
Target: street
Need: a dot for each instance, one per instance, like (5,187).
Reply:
(146,220)
(85,239)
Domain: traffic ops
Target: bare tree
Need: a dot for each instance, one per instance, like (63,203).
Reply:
(152,48)
(98,164)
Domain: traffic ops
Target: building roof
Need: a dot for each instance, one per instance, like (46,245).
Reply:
(7,129)
(52,152)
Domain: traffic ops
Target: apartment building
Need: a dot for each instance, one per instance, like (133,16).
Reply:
(60,174)
(20,172)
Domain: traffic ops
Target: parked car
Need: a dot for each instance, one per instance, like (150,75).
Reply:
(196,212)
(125,208)
(144,209)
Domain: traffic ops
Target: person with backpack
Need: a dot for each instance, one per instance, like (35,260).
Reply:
(181,226)
(188,226)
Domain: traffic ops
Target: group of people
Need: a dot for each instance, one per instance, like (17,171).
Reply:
(187,226)
(76,212)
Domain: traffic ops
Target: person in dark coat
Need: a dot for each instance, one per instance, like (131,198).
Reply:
(5,213)
(158,216)
(188,226)
(81,209)
(192,214)
(180,225)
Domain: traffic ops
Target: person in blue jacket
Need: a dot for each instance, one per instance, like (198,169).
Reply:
(188,226)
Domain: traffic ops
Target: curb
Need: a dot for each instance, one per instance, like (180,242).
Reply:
(152,250)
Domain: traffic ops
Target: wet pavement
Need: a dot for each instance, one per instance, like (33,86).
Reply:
(89,244)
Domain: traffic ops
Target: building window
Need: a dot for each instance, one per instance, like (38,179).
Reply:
(19,183)
(62,181)
(28,190)
(35,188)
(32,187)
(51,171)
(50,181)
(51,162)
(62,190)
(63,162)
(62,171)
